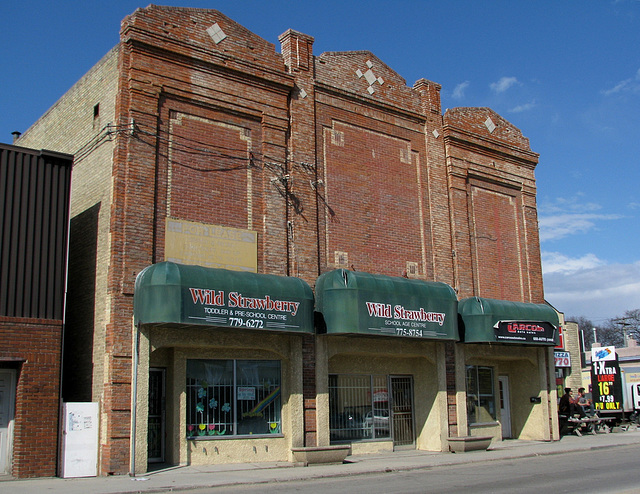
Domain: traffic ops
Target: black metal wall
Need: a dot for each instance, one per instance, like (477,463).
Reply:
(34,223)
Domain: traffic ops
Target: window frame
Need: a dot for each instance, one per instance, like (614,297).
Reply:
(199,398)
(477,399)
(366,419)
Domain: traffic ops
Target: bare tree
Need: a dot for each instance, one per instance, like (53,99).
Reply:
(609,333)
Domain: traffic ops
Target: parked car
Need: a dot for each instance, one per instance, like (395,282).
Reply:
(379,420)
(348,424)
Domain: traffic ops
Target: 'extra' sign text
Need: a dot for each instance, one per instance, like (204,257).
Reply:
(606,382)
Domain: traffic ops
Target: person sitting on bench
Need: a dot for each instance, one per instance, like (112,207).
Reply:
(568,406)
(564,407)
(583,403)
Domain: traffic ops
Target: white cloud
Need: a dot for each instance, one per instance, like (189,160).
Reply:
(503,84)
(573,204)
(628,85)
(458,92)
(569,216)
(562,225)
(590,288)
(525,107)
(556,262)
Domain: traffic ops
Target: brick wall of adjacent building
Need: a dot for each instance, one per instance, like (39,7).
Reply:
(331,167)
(33,348)
(572,345)
(33,252)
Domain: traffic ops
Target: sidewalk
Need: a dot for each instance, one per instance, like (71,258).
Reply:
(194,477)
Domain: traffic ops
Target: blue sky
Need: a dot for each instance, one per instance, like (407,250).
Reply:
(566,73)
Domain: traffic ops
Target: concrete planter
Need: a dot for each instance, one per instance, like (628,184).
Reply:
(469,443)
(320,454)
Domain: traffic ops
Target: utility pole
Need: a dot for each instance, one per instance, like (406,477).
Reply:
(622,321)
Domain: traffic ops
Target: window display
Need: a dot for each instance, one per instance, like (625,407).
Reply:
(233,397)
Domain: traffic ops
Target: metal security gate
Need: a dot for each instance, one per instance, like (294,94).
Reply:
(402,412)
(155,436)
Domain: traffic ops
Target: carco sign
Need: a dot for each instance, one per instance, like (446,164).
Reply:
(525,331)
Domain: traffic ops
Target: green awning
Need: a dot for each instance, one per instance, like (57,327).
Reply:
(361,303)
(179,294)
(485,320)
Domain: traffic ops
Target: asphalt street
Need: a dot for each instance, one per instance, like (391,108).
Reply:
(541,465)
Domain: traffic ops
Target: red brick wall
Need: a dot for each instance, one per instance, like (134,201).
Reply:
(211,170)
(215,187)
(452,405)
(375,196)
(492,186)
(33,348)
(306,186)
(497,236)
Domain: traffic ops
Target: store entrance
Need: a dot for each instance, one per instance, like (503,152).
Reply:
(505,406)
(7,406)
(156,421)
(402,412)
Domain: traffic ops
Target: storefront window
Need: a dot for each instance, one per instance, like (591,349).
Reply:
(359,407)
(233,397)
(481,400)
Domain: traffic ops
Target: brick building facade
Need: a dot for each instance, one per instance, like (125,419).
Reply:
(34,215)
(332,162)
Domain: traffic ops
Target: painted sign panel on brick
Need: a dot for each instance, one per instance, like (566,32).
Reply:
(188,242)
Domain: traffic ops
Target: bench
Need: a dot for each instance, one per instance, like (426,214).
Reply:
(590,425)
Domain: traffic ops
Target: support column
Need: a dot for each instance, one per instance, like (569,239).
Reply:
(450,366)
(309,390)
(140,403)
(322,392)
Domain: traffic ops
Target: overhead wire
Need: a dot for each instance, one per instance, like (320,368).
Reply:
(241,158)
(187,145)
